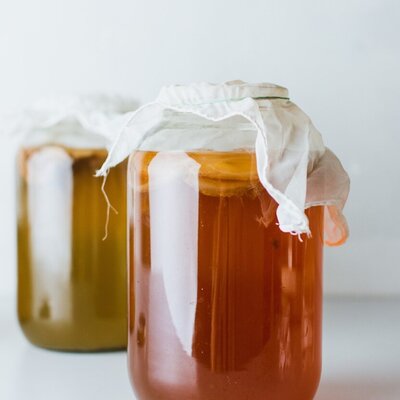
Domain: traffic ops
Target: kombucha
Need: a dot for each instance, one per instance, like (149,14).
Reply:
(222,304)
(71,283)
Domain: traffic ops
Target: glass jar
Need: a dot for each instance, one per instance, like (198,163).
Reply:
(223,304)
(228,211)
(71,282)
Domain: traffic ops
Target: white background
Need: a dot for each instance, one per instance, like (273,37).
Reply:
(340,60)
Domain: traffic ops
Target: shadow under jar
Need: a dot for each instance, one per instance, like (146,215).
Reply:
(222,303)
(71,282)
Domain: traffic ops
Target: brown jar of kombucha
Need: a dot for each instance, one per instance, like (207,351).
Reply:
(223,303)
(231,196)
(71,282)
(71,279)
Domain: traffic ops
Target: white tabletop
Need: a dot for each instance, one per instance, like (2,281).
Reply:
(361,359)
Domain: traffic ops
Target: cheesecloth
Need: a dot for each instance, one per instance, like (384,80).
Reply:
(293,164)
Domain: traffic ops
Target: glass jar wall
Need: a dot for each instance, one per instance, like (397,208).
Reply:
(71,283)
(222,303)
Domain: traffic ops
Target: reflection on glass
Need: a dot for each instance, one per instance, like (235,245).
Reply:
(222,303)
(71,283)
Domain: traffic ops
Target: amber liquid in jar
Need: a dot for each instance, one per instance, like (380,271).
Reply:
(223,305)
(71,282)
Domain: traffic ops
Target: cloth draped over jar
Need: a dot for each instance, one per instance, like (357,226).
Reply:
(84,121)
(293,164)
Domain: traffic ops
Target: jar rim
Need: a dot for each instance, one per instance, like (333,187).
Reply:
(206,93)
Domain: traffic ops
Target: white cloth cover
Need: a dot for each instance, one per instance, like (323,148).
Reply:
(90,121)
(293,164)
